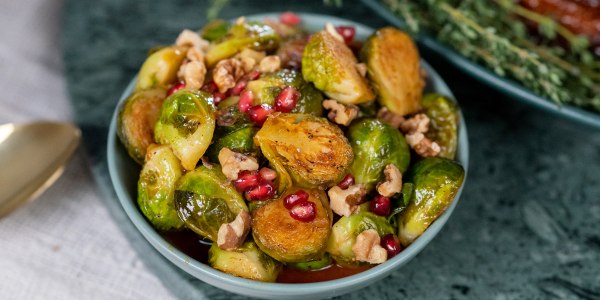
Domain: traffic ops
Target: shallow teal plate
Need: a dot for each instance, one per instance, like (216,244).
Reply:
(124,174)
(484,75)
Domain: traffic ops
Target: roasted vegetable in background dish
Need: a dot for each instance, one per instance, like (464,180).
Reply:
(156,187)
(246,261)
(443,127)
(187,123)
(135,125)
(160,68)
(436,181)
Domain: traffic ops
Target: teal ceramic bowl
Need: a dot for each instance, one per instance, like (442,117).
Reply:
(124,175)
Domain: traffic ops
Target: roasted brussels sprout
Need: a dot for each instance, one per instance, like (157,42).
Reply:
(254,35)
(331,66)
(160,68)
(214,30)
(318,264)
(287,239)
(346,229)
(135,125)
(393,66)
(205,199)
(246,261)
(187,123)
(436,181)
(444,118)
(156,187)
(376,145)
(308,149)
(241,141)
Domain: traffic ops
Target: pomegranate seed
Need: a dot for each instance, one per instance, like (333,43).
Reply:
(245,101)
(210,87)
(289,18)
(347,32)
(381,205)
(296,198)
(391,244)
(267,174)
(304,211)
(246,180)
(287,99)
(263,191)
(346,182)
(238,88)
(258,114)
(176,87)
(254,75)
(218,97)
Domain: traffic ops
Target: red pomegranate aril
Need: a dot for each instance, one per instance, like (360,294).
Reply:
(267,174)
(258,114)
(346,182)
(287,99)
(238,88)
(347,32)
(381,205)
(304,211)
(246,180)
(245,101)
(262,191)
(289,18)
(292,199)
(391,244)
(176,87)
(254,75)
(210,87)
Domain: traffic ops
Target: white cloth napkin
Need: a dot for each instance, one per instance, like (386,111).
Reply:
(64,245)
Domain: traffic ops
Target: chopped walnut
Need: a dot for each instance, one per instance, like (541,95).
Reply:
(195,54)
(422,145)
(390,118)
(188,38)
(392,183)
(269,64)
(367,247)
(417,123)
(250,58)
(340,113)
(193,73)
(362,69)
(232,163)
(329,28)
(227,72)
(345,202)
(232,235)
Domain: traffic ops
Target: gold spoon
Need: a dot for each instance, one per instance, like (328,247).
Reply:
(32,157)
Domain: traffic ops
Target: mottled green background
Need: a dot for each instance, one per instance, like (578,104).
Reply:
(527,226)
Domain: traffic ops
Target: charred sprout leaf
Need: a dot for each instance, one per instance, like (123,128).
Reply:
(393,66)
(160,68)
(318,264)
(346,229)
(375,146)
(436,181)
(214,30)
(246,261)
(254,35)
(135,125)
(241,141)
(156,187)
(308,149)
(331,66)
(287,239)
(187,123)
(444,118)
(205,199)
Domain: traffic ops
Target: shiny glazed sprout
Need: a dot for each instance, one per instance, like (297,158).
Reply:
(246,261)
(444,117)
(160,68)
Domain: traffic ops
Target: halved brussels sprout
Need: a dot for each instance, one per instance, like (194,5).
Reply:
(376,145)
(246,261)
(156,187)
(205,199)
(309,149)
(318,264)
(331,66)
(287,239)
(160,68)
(393,66)
(436,181)
(187,123)
(254,35)
(214,30)
(444,119)
(241,141)
(135,124)
(346,229)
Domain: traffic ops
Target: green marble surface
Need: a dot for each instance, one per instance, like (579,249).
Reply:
(527,226)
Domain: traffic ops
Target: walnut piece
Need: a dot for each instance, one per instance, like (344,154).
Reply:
(250,58)
(362,69)
(269,64)
(392,183)
(232,235)
(227,72)
(422,145)
(417,123)
(345,202)
(188,38)
(195,54)
(233,163)
(367,247)
(340,113)
(329,28)
(390,118)
(193,73)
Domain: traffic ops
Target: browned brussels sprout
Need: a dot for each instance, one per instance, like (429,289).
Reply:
(246,261)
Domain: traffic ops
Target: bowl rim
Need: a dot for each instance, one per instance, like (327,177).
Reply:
(251,287)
